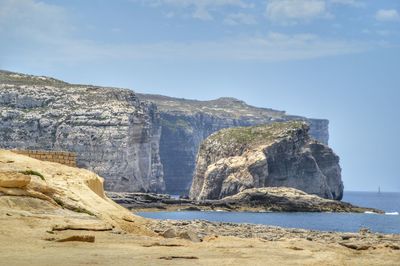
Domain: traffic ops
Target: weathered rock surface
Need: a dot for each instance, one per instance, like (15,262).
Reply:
(276,199)
(135,146)
(66,198)
(138,200)
(113,133)
(276,155)
(287,200)
(186,123)
(34,230)
(213,230)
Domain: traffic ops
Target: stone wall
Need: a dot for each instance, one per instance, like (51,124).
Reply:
(67,158)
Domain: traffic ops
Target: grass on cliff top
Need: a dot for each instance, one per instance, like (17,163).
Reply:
(31,172)
(256,134)
(7,77)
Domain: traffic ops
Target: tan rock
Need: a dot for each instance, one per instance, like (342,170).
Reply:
(13,179)
(169,233)
(189,235)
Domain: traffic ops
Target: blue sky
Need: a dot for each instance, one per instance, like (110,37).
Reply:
(334,59)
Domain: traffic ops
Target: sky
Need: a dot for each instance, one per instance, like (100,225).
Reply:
(333,59)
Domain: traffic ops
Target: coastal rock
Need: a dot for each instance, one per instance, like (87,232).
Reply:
(276,199)
(112,132)
(14,180)
(137,142)
(285,199)
(186,123)
(67,199)
(190,235)
(169,233)
(276,155)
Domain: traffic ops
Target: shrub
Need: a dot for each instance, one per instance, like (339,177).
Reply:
(31,172)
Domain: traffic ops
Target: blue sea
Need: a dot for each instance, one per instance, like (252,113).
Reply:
(341,222)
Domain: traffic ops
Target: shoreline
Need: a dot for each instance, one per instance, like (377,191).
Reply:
(362,240)
(268,199)
(59,221)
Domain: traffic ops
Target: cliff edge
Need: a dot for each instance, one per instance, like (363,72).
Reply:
(113,133)
(275,155)
(186,123)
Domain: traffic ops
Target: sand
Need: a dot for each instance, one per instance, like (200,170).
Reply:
(31,228)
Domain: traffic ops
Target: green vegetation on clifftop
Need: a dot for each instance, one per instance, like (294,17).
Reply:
(263,134)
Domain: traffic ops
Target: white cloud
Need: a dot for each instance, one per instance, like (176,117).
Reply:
(295,10)
(29,18)
(354,3)
(387,15)
(201,9)
(270,48)
(240,18)
(41,34)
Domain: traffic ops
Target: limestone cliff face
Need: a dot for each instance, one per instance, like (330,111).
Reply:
(136,141)
(186,123)
(112,132)
(275,155)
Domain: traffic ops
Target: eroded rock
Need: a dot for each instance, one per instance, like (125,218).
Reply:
(275,155)
(14,180)
(113,133)
(186,123)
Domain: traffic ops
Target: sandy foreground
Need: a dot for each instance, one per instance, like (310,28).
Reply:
(25,241)
(38,215)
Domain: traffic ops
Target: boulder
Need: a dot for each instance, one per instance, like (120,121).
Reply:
(169,233)
(189,235)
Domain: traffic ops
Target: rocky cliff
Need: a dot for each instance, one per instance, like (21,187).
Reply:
(136,141)
(186,123)
(276,155)
(113,133)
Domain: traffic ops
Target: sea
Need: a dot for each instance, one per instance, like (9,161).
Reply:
(388,223)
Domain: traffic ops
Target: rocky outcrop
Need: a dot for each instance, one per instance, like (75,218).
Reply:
(186,123)
(112,132)
(362,240)
(276,155)
(63,197)
(138,142)
(266,199)
(283,199)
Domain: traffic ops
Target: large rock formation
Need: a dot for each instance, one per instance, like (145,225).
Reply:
(58,196)
(275,199)
(136,145)
(186,123)
(113,133)
(275,155)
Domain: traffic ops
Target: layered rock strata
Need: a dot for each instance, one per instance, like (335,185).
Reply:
(137,142)
(62,197)
(276,155)
(112,132)
(186,123)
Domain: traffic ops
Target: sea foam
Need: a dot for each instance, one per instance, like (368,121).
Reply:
(392,213)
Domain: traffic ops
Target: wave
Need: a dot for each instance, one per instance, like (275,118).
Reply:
(369,212)
(392,213)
